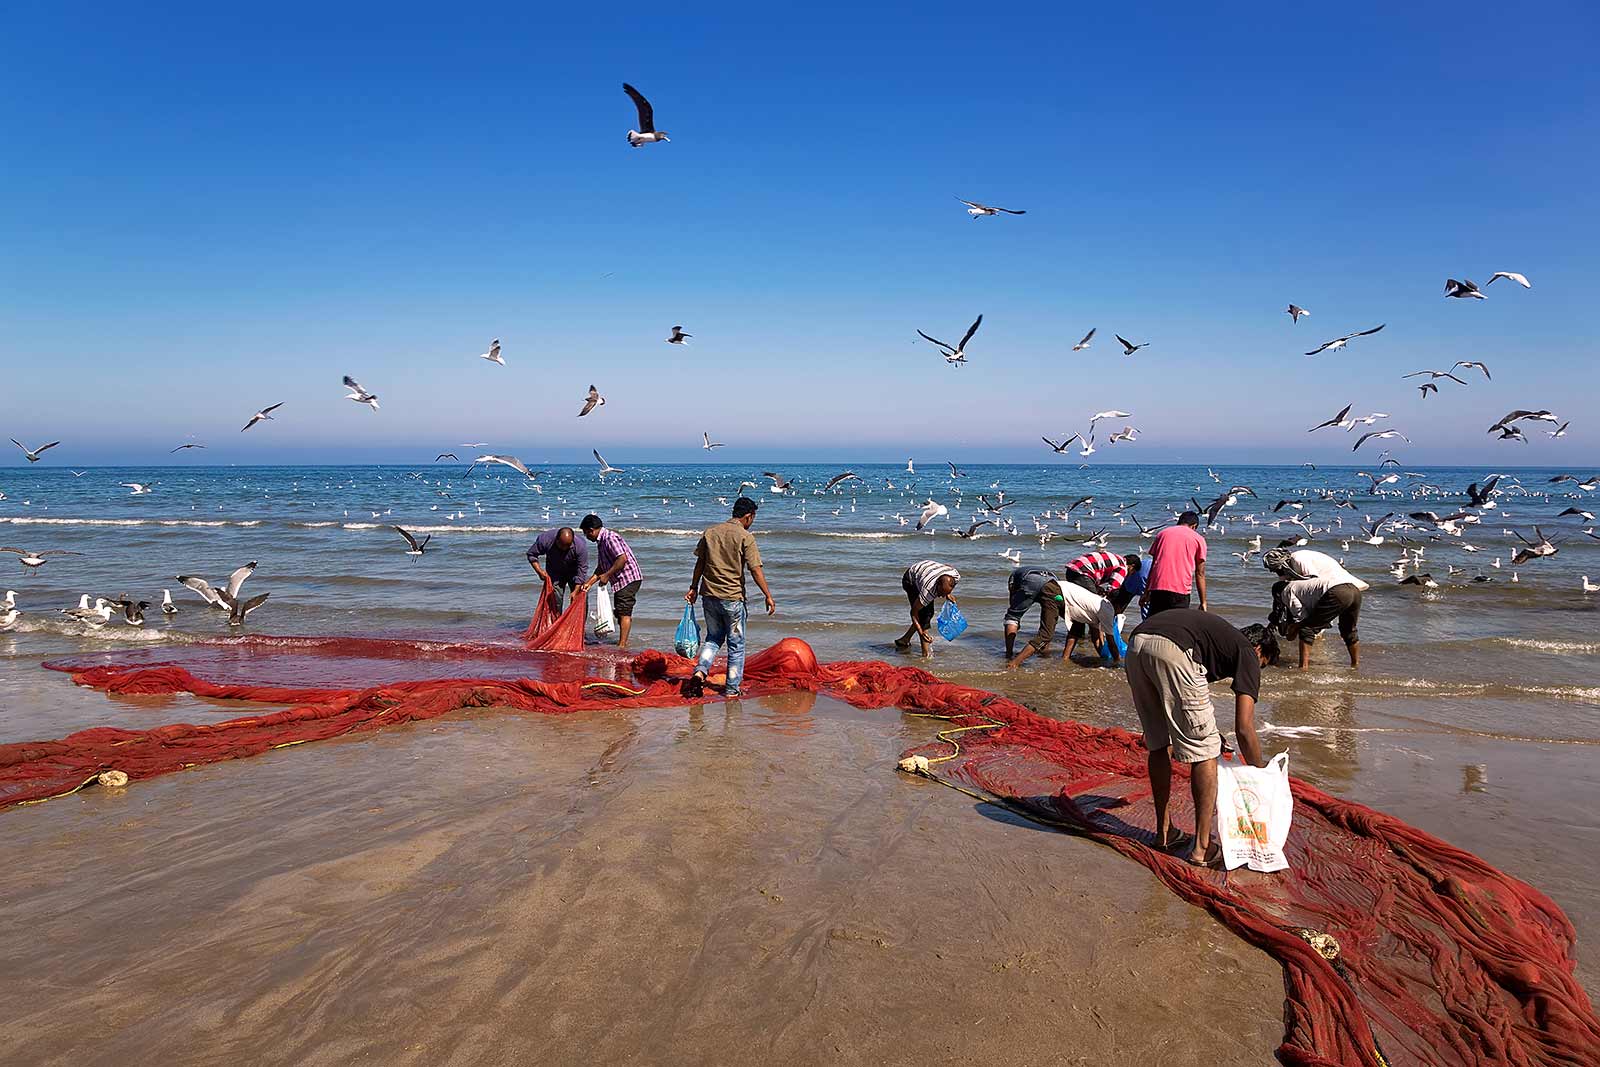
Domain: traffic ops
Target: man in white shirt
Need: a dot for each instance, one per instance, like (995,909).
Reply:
(1056,600)
(1314,590)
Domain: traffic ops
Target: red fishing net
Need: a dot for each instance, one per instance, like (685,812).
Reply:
(1396,947)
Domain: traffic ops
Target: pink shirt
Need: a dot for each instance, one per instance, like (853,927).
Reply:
(1173,556)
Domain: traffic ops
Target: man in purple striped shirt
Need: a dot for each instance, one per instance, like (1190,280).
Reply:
(614,565)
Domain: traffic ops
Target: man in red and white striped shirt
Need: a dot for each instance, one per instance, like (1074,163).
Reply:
(1103,573)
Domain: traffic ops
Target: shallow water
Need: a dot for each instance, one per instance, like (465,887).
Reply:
(1476,714)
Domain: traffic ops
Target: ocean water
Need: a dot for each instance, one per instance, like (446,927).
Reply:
(1476,713)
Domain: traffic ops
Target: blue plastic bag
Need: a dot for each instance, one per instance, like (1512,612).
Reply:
(687,639)
(952,624)
(1114,635)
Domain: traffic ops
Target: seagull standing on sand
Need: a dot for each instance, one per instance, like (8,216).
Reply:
(590,402)
(978,211)
(33,453)
(358,394)
(264,413)
(1339,342)
(956,354)
(493,355)
(1081,345)
(1128,347)
(646,133)
(1294,311)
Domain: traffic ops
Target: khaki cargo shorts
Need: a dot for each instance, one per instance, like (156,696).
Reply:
(1173,700)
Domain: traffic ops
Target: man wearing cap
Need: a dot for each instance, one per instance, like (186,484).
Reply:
(1313,590)
(1177,566)
(725,552)
(615,566)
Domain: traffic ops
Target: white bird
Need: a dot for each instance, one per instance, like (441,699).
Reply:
(1471,364)
(1559,431)
(955,472)
(1380,435)
(1588,587)
(710,444)
(646,133)
(910,467)
(1014,555)
(264,413)
(506,461)
(780,484)
(1294,311)
(9,612)
(358,394)
(1127,433)
(931,511)
(978,211)
(1366,420)
(168,608)
(1464,289)
(590,402)
(1339,342)
(605,468)
(139,488)
(1081,345)
(1097,416)
(33,453)
(1128,347)
(1061,448)
(956,354)
(1520,279)
(1088,448)
(94,617)
(34,560)
(1338,422)
(493,355)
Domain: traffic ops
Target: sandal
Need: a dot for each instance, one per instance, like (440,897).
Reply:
(1175,845)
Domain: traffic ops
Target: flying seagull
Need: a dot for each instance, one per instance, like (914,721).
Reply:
(1338,422)
(508,461)
(1434,375)
(1520,279)
(590,402)
(358,394)
(417,547)
(1471,364)
(955,472)
(1097,416)
(226,597)
(678,336)
(1427,387)
(978,211)
(35,560)
(605,468)
(958,353)
(264,413)
(1294,311)
(1127,433)
(780,484)
(931,511)
(1128,347)
(1339,342)
(1541,415)
(838,478)
(1062,448)
(1560,431)
(33,453)
(138,488)
(710,444)
(972,531)
(646,133)
(1081,345)
(1464,289)
(445,455)
(1380,435)
(493,355)
(180,448)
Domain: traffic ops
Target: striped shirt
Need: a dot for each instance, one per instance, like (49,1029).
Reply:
(925,576)
(609,546)
(1107,568)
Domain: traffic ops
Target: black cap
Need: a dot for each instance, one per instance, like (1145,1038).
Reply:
(744,506)
(590,522)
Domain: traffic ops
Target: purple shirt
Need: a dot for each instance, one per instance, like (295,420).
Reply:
(565,567)
(609,547)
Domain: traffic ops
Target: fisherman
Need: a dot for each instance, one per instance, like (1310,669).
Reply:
(1173,656)
(924,583)
(1103,574)
(1177,566)
(724,553)
(615,566)
(1034,585)
(1313,590)
(565,561)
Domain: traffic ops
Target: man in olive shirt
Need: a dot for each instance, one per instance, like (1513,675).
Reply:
(724,553)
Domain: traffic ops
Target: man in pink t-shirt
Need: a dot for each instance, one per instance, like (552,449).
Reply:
(1177,566)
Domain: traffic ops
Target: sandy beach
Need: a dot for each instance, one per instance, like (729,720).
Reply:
(750,883)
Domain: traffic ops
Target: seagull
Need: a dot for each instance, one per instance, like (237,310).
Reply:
(910,467)
(219,598)
(1294,311)
(931,511)
(1127,433)
(1062,448)
(1081,345)
(646,133)
(1425,388)
(1424,580)
(445,455)
(417,547)
(1520,279)
(1462,289)
(1559,431)
(1338,422)
(709,443)
(1366,420)
(1097,416)
(1434,375)
(1339,342)
(33,453)
(971,531)
(508,461)
(493,355)
(1471,364)
(168,608)
(978,211)
(1088,448)
(1588,587)
(839,478)
(1587,516)
(955,472)
(264,413)
(1535,550)
(34,560)
(9,612)
(1511,433)
(1014,555)
(678,336)
(94,617)
(1128,347)
(780,484)
(590,402)
(1380,435)
(1542,415)
(1374,537)
(139,488)
(180,448)
(957,354)
(605,468)
(132,611)
(358,394)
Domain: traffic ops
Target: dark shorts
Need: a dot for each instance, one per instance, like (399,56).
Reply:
(622,600)
(1161,600)
(924,612)
(1342,602)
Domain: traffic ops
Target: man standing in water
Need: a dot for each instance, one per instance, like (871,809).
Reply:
(724,553)
(1177,566)
(1032,585)
(616,567)
(925,583)
(565,560)
(1173,657)
(1314,589)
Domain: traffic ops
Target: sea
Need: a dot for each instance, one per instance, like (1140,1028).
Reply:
(1475,715)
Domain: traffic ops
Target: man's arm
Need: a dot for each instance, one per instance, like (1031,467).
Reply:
(533,561)
(694,583)
(761,583)
(1027,650)
(1200,582)
(1244,725)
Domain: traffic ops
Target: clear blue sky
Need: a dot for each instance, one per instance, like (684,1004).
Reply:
(207,209)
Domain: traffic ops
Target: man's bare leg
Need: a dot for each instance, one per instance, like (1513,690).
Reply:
(1305,651)
(1203,788)
(1159,762)
(903,642)
(1355,655)
(624,624)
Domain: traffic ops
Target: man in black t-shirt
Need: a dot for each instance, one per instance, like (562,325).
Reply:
(1173,657)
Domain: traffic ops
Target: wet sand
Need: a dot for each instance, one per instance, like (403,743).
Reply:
(750,883)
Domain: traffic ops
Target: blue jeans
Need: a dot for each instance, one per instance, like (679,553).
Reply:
(725,621)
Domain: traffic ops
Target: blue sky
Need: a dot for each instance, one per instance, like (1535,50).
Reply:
(208,210)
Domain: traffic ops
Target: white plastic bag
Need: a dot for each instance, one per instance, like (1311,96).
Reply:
(1254,809)
(605,619)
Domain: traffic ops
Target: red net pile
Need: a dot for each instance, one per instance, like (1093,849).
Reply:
(1436,957)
